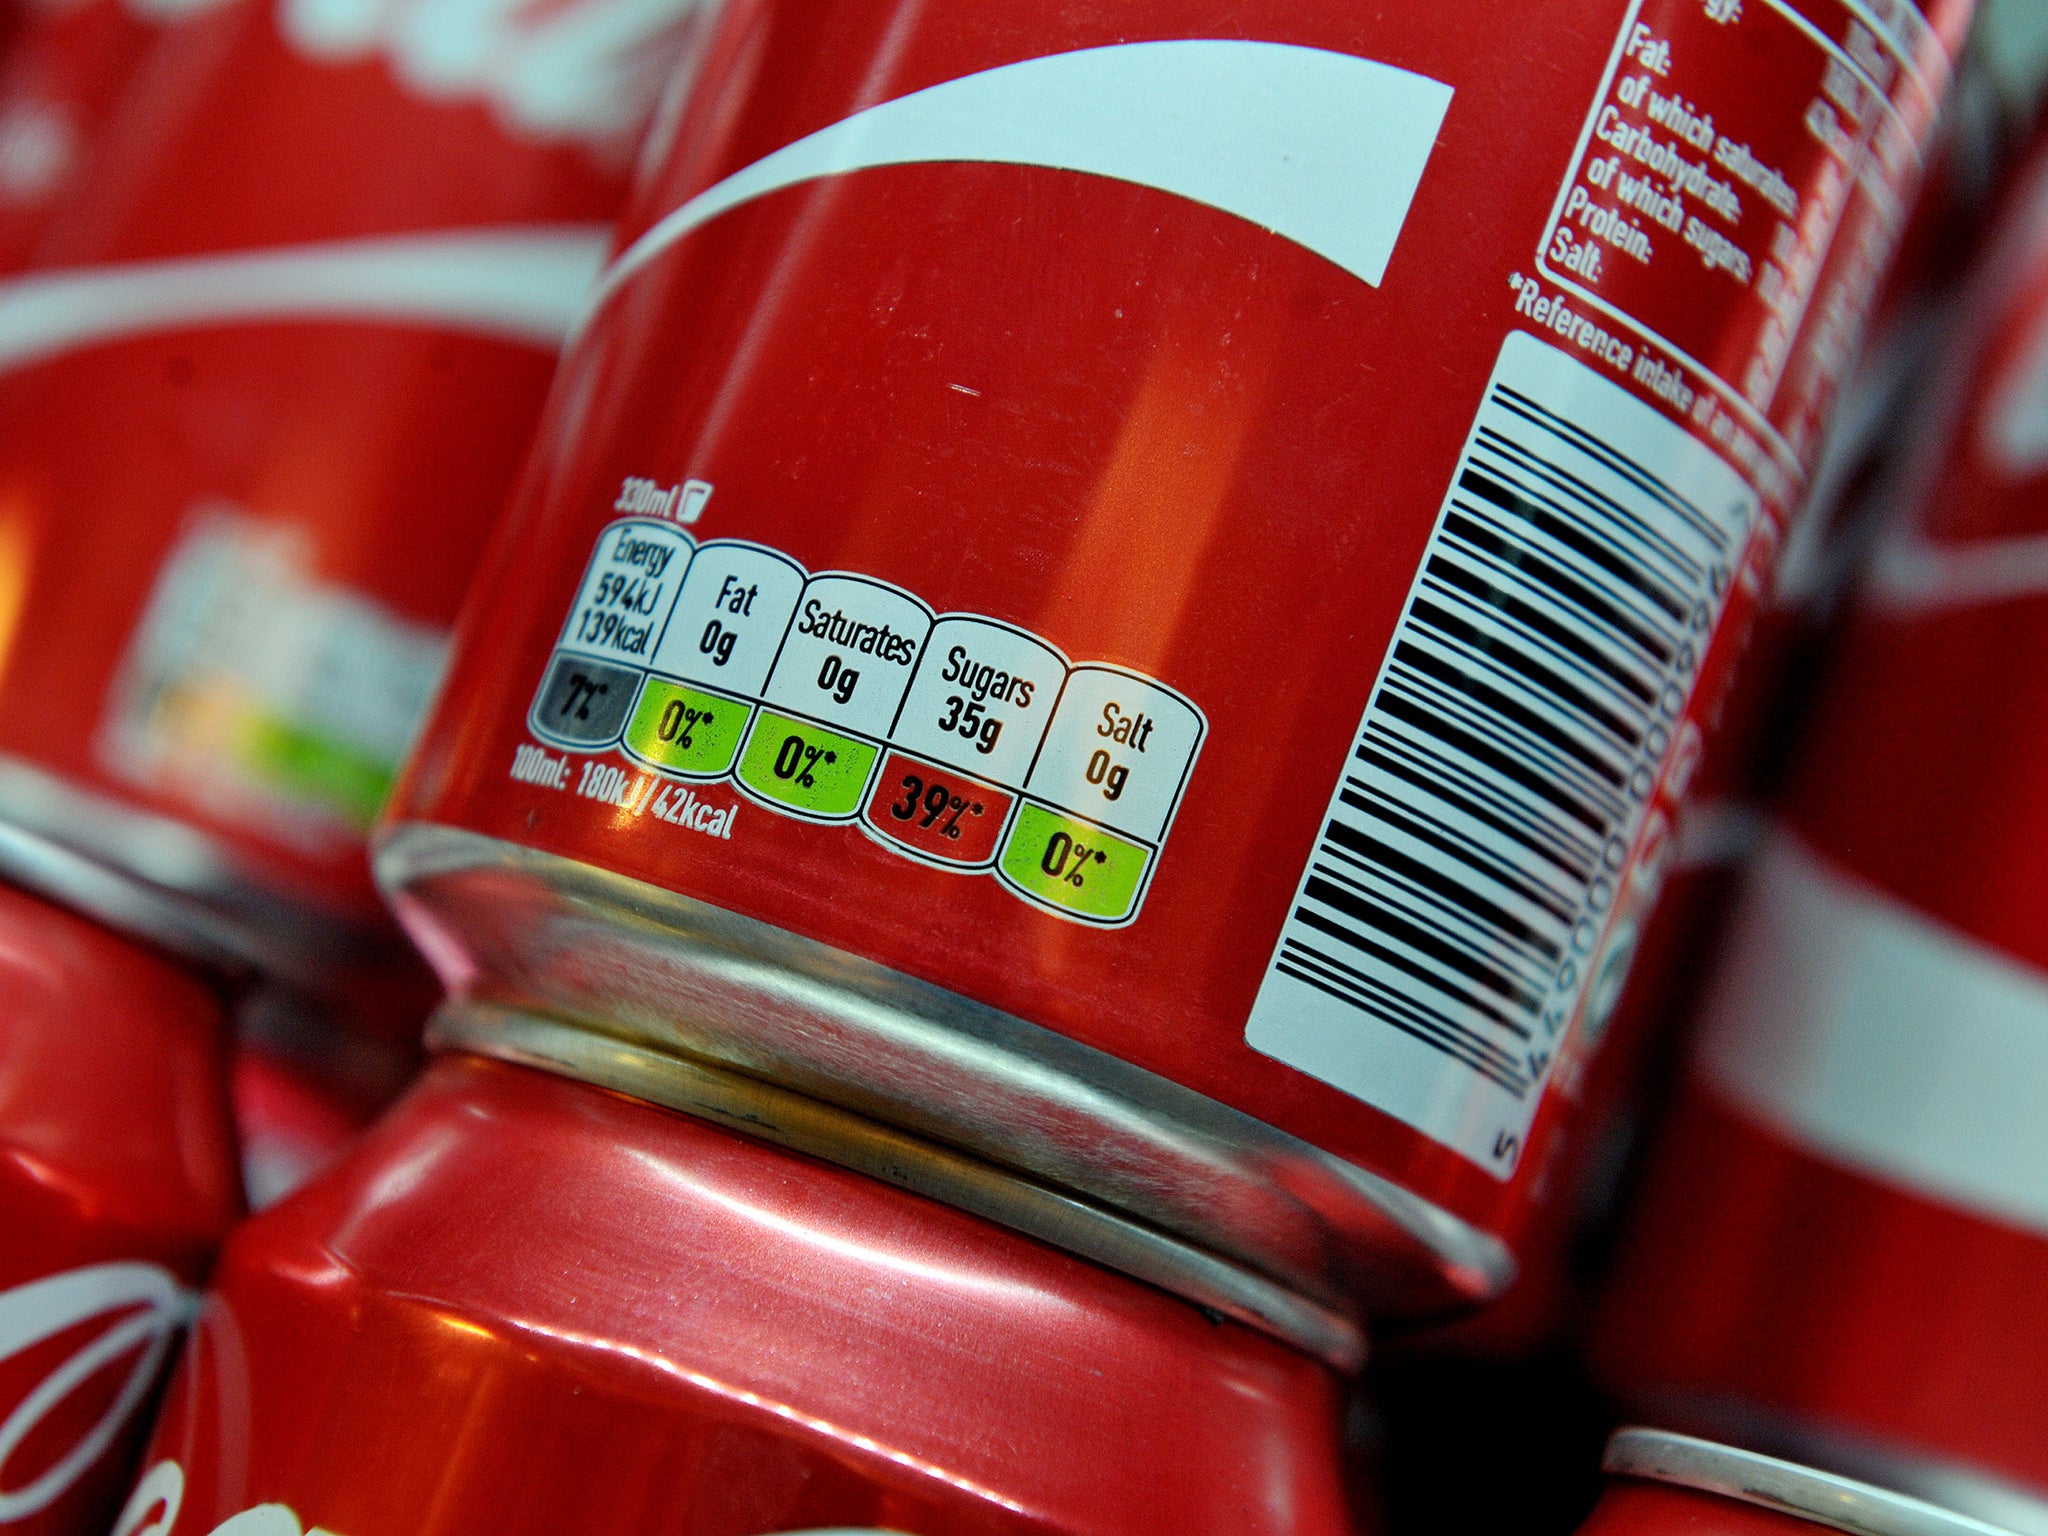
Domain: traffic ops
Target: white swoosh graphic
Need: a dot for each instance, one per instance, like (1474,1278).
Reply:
(1320,147)
(155,1308)
(1912,574)
(1877,1037)
(525,285)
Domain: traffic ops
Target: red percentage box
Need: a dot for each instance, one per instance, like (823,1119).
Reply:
(937,813)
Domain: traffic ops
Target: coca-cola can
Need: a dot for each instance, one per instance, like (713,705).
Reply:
(1132,589)
(1859,1140)
(524,1304)
(117,1182)
(1674,1485)
(260,398)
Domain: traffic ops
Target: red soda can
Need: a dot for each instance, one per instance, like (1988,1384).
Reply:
(526,1305)
(1674,1485)
(117,1181)
(314,287)
(1859,1139)
(1128,588)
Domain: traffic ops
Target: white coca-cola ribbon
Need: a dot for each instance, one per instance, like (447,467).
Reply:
(1911,573)
(1879,1038)
(152,1307)
(1323,148)
(525,285)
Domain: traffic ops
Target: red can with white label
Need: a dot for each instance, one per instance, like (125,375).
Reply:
(260,398)
(1861,1139)
(117,1182)
(526,1305)
(1122,587)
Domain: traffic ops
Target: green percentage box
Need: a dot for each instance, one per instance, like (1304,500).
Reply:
(686,730)
(805,768)
(1073,866)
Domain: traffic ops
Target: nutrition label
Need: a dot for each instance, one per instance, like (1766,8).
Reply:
(1738,188)
(954,739)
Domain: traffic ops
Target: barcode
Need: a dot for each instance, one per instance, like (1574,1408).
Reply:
(1467,871)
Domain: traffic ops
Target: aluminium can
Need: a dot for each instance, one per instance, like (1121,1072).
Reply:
(117,1183)
(261,395)
(1133,589)
(527,1305)
(1842,1244)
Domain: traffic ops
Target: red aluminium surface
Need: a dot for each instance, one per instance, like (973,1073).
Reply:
(614,1319)
(117,1181)
(60,79)
(370,446)
(1133,424)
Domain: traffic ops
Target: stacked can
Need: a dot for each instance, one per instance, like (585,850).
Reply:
(529,1307)
(1859,1142)
(984,684)
(260,397)
(230,583)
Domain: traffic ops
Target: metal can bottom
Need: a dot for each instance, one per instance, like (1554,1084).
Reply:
(170,885)
(1044,1127)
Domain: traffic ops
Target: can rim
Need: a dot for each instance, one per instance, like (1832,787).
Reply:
(158,880)
(771,1113)
(1824,1498)
(629,960)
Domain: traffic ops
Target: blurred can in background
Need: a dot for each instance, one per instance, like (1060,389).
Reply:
(1842,1243)
(63,68)
(301,1095)
(260,398)
(525,1305)
(61,74)
(985,637)
(117,1181)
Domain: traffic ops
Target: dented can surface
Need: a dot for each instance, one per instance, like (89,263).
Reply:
(117,1182)
(1860,1138)
(312,288)
(1133,589)
(610,1318)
